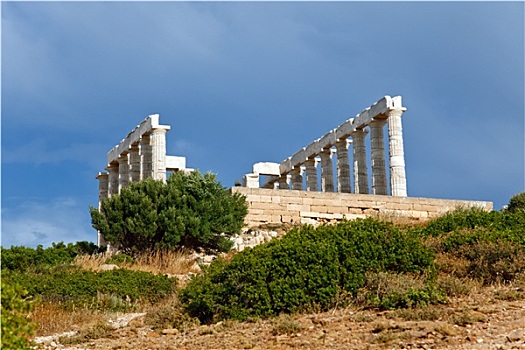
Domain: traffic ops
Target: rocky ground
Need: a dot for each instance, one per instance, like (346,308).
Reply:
(493,318)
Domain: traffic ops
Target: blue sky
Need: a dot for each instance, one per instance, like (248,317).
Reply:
(241,83)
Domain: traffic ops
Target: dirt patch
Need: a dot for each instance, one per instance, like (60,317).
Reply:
(483,320)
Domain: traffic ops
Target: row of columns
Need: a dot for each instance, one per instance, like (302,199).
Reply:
(143,159)
(378,163)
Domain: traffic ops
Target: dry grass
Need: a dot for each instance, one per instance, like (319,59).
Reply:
(51,318)
(160,261)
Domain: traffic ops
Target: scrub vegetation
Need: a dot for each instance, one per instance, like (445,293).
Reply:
(411,271)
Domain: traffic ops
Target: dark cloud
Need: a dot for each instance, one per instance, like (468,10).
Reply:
(248,82)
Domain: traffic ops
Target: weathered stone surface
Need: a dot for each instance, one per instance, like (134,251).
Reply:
(266,168)
(267,206)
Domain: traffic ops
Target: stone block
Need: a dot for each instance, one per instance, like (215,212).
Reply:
(379,108)
(174,163)
(297,207)
(253,198)
(289,218)
(312,149)
(327,216)
(344,130)
(267,206)
(321,209)
(286,166)
(292,200)
(266,168)
(328,140)
(265,199)
(251,181)
(276,199)
(298,158)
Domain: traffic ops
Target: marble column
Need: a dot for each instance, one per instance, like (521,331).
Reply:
(147,156)
(134,163)
(283,182)
(378,157)
(327,171)
(158,144)
(251,181)
(398,181)
(343,167)
(103,193)
(311,174)
(113,178)
(297,178)
(103,187)
(123,171)
(360,166)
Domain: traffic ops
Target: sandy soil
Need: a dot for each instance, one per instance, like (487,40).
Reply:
(491,319)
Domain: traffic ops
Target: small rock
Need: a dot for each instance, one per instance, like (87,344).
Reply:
(108,267)
(515,335)
(170,331)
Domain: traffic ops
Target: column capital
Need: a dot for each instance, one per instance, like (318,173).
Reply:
(395,112)
(102,175)
(160,129)
(359,132)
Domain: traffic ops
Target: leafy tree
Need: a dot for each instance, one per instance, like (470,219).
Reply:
(20,258)
(16,329)
(190,210)
(517,203)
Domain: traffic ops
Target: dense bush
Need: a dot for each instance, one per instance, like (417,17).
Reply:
(517,203)
(115,289)
(19,258)
(188,210)
(16,329)
(308,266)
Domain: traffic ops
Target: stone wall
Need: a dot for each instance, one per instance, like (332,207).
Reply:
(271,206)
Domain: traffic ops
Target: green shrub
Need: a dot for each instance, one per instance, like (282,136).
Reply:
(461,218)
(517,203)
(307,266)
(19,258)
(507,223)
(115,289)
(388,291)
(493,261)
(16,329)
(119,259)
(189,210)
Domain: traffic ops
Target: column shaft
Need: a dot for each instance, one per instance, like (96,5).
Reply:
(297,178)
(147,156)
(123,171)
(283,182)
(378,157)
(360,166)
(103,187)
(311,174)
(398,181)
(113,178)
(103,193)
(158,144)
(343,167)
(327,171)
(134,162)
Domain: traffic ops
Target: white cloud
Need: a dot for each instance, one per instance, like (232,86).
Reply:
(42,222)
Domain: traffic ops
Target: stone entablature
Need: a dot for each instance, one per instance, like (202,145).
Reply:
(386,111)
(275,206)
(141,154)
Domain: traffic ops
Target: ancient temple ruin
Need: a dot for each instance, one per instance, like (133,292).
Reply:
(141,154)
(372,120)
(297,190)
